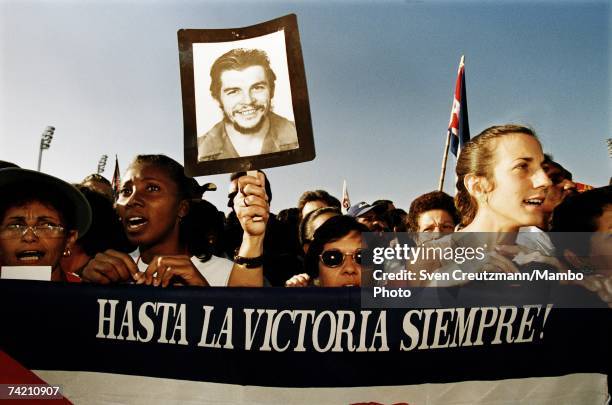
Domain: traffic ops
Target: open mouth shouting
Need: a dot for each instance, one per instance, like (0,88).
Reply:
(135,223)
(29,256)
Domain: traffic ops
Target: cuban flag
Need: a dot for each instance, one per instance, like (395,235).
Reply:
(346,201)
(116,182)
(459,127)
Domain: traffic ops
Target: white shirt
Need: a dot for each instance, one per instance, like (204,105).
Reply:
(216,270)
(536,239)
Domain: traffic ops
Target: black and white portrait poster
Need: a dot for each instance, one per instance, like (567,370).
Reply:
(245,101)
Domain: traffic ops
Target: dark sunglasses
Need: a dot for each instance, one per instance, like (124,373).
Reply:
(335,258)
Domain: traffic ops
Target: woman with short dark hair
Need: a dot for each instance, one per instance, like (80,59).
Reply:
(434,214)
(335,254)
(160,209)
(41,217)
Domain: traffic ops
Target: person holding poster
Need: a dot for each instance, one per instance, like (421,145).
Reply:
(242,82)
(156,204)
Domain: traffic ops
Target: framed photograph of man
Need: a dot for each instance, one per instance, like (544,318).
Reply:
(245,101)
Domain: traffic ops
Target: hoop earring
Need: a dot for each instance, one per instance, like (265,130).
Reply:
(67,252)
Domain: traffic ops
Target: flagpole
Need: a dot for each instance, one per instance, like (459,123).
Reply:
(444,160)
(455,124)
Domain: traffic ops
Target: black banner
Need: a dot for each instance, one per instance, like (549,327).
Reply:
(307,337)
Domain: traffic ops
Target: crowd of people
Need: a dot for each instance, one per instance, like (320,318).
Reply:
(158,229)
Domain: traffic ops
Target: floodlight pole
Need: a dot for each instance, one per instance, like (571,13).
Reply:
(102,164)
(45,142)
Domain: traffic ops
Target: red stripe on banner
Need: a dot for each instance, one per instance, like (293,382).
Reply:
(14,374)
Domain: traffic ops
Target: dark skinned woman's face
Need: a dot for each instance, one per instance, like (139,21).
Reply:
(148,205)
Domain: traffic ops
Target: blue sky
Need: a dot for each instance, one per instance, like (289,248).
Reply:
(380,79)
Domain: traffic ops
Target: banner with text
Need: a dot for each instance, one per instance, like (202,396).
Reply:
(292,337)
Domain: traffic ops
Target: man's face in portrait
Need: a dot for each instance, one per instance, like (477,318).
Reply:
(245,98)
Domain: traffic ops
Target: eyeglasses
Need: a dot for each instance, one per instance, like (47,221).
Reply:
(335,258)
(15,231)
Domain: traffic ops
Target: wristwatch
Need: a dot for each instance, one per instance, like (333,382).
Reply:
(249,262)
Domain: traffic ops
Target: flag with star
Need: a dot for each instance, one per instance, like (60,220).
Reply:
(346,201)
(116,182)
(459,127)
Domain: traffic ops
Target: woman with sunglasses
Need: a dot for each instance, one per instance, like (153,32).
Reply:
(41,217)
(160,210)
(334,256)
(308,226)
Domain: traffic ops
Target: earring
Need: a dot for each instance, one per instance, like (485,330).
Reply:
(67,252)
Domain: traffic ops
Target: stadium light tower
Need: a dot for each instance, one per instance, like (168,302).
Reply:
(102,164)
(45,142)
